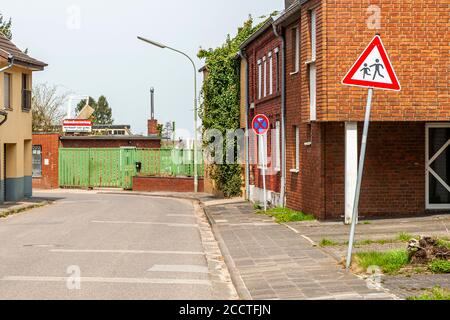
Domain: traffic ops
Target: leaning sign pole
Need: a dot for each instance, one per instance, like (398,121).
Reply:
(373,69)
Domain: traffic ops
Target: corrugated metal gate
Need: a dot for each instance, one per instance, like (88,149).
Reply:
(116,167)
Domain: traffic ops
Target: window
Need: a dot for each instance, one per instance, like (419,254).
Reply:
(265,76)
(26,93)
(259,79)
(37,161)
(7,91)
(297,148)
(312,68)
(295,37)
(278,68)
(312,92)
(270,73)
(313,18)
(277,146)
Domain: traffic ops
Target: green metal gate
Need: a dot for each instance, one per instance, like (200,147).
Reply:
(116,167)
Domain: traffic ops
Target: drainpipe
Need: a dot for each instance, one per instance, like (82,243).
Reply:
(283,116)
(247,136)
(4,114)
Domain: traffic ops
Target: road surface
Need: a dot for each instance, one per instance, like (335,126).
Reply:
(88,245)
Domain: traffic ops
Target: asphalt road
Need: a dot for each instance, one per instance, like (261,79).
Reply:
(106,246)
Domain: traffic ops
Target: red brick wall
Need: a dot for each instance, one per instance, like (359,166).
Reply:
(50,145)
(113,143)
(269,105)
(415,34)
(394,175)
(159,184)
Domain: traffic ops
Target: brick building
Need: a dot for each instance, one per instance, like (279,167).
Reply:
(408,155)
(262,62)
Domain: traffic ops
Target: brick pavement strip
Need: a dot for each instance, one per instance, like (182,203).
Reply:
(270,261)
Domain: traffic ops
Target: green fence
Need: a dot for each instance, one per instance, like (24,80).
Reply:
(116,167)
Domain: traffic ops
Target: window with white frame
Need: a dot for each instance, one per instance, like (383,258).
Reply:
(278,68)
(277,146)
(313,22)
(270,73)
(295,37)
(312,67)
(265,76)
(259,79)
(297,148)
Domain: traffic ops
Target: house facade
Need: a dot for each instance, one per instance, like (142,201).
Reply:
(407,168)
(15,118)
(261,60)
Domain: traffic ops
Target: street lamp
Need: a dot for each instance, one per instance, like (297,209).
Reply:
(162,46)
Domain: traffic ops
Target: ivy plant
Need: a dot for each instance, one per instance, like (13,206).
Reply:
(220,101)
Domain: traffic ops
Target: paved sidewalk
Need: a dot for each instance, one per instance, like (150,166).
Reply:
(270,261)
(10,208)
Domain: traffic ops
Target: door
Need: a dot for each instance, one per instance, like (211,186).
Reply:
(438,166)
(128,166)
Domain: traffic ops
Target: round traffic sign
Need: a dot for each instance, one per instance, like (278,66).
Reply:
(260,124)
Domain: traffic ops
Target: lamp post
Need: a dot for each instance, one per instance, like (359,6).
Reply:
(162,46)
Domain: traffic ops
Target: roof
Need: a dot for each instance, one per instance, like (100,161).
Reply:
(287,14)
(111,126)
(20,58)
(134,137)
(257,33)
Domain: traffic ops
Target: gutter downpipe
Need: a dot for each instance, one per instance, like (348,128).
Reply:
(9,66)
(247,136)
(283,116)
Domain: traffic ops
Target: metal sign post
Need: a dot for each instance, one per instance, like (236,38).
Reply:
(359,179)
(263,159)
(260,126)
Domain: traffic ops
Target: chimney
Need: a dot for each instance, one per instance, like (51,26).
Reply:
(152,124)
(288,3)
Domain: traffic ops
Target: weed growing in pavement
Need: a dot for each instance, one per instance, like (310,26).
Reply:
(437,293)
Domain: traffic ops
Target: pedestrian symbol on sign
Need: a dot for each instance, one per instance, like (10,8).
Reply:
(377,66)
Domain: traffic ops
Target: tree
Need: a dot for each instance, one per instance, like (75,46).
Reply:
(5,27)
(167,131)
(102,112)
(47,108)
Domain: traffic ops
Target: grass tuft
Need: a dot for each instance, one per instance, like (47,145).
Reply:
(437,293)
(439,266)
(283,215)
(389,261)
(404,236)
(328,243)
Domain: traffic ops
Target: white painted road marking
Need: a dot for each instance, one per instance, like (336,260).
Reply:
(179,268)
(127,251)
(108,280)
(180,225)
(181,215)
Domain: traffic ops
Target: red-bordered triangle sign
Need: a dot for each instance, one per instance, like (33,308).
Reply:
(373,69)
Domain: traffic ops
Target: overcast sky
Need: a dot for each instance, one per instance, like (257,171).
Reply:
(99,53)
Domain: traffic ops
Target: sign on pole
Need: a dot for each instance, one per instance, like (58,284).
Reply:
(373,69)
(260,126)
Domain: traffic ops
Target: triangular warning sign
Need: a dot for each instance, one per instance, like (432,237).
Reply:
(373,69)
